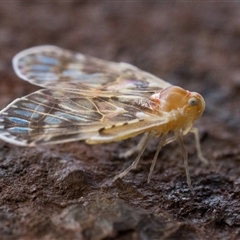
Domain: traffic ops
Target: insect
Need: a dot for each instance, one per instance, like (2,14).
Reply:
(85,98)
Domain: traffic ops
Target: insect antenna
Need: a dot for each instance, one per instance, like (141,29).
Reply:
(160,145)
(179,139)
(136,161)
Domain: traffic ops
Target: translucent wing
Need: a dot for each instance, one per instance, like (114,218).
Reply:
(53,67)
(54,116)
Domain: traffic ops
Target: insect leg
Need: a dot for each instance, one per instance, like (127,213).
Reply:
(136,148)
(140,145)
(169,140)
(136,161)
(179,139)
(160,145)
(198,145)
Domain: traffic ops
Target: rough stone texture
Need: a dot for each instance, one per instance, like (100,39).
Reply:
(65,191)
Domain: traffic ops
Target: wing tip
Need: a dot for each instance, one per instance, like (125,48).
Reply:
(29,51)
(6,137)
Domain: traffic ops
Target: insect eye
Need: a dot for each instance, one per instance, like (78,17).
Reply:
(193,101)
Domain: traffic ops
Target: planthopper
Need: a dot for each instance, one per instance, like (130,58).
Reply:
(85,98)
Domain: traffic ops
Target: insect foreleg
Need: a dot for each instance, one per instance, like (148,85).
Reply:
(160,145)
(179,139)
(136,161)
(198,145)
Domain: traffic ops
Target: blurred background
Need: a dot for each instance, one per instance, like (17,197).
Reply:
(65,192)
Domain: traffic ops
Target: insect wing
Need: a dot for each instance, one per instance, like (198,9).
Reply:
(54,116)
(53,67)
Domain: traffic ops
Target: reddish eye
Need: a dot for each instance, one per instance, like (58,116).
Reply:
(193,101)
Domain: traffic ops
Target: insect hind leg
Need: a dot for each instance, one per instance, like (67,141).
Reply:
(140,145)
(145,141)
(135,149)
